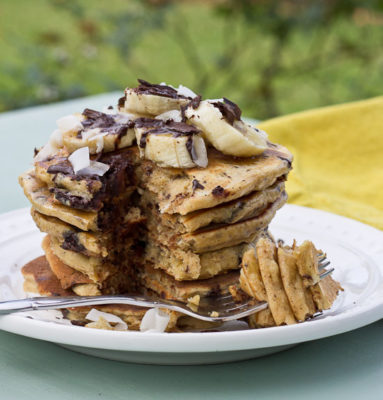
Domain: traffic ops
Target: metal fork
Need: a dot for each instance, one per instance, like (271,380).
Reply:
(211,308)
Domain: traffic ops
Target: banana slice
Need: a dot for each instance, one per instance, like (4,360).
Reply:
(98,131)
(150,99)
(221,125)
(170,144)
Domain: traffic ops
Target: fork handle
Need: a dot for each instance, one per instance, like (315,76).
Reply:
(51,303)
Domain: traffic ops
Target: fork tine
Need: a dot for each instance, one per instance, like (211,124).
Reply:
(328,272)
(322,266)
(239,308)
(321,257)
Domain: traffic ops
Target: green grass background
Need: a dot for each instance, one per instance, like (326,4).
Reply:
(55,50)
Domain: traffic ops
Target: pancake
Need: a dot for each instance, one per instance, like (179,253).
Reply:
(184,265)
(39,279)
(67,276)
(45,203)
(224,179)
(167,287)
(90,243)
(276,297)
(96,268)
(216,237)
(226,213)
(300,297)
(70,236)
(272,274)
(88,192)
(42,200)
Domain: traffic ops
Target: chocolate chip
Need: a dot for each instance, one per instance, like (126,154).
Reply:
(196,185)
(71,242)
(219,191)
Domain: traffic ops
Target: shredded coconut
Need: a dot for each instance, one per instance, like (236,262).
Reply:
(154,320)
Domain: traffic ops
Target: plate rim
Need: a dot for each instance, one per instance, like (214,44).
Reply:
(192,342)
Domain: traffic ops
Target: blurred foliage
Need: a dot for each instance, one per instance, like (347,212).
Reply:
(271,57)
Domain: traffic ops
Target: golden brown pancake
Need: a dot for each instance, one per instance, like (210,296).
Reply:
(225,179)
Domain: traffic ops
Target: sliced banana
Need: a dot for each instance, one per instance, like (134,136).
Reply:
(223,128)
(149,99)
(171,144)
(100,132)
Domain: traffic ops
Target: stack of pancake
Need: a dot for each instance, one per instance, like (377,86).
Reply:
(129,224)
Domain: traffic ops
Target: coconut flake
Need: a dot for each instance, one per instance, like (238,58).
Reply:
(215,100)
(69,123)
(124,118)
(154,320)
(48,150)
(95,168)
(174,115)
(94,315)
(56,138)
(90,133)
(185,91)
(80,159)
(199,152)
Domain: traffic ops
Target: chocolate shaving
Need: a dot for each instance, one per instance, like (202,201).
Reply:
(196,185)
(189,146)
(158,90)
(71,242)
(176,129)
(64,167)
(160,127)
(105,122)
(121,102)
(219,191)
(195,102)
(144,122)
(229,110)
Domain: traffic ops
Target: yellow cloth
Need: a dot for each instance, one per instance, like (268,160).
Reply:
(338,158)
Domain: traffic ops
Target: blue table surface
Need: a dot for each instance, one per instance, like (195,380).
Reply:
(347,366)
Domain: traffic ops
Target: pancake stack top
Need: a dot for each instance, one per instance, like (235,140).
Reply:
(162,195)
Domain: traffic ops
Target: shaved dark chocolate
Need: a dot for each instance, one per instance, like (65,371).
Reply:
(144,122)
(160,127)
(196,185)
(189,146)
(71,242)
(64,167)
(121,102)
(106,123)
(145,87)
(176,129)
(229,110)
(195,102)
(97,119)
(219,191)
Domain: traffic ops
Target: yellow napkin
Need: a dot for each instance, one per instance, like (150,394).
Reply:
(338,158)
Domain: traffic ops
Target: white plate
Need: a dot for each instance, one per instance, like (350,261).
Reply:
(355,250)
